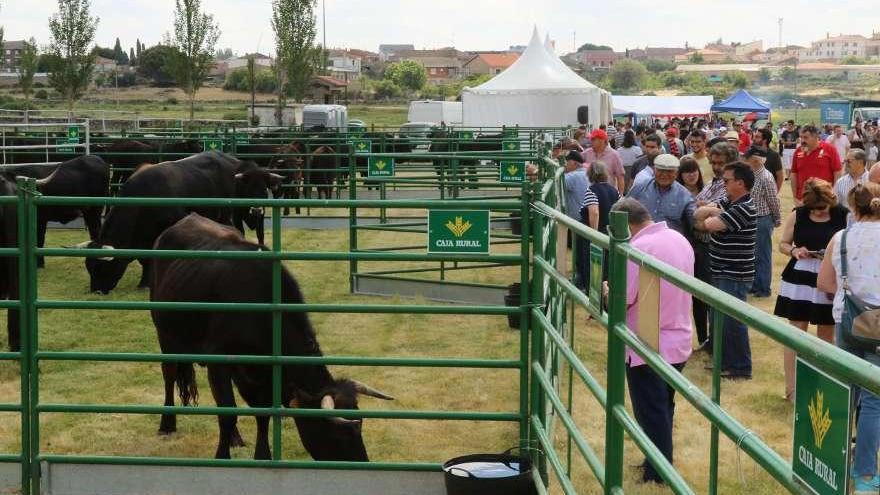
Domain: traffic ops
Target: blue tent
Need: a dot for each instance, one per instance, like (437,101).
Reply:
(742,101)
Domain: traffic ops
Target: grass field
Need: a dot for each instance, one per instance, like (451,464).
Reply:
(758,403)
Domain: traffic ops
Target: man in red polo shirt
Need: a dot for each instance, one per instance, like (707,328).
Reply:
(815,158)
(745,141)
(601,152)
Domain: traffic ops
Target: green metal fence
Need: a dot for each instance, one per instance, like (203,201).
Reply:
(32,407)
(553,344)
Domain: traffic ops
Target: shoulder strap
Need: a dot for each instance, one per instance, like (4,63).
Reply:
(843,267)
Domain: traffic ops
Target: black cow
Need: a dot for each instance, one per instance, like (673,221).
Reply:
(321,172)
(285,160)
(467,169)
(124,156)
(206,175)
(9,265)
(83,176)
(247,333)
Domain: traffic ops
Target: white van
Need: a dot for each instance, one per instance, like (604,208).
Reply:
(436,112)
(329,116)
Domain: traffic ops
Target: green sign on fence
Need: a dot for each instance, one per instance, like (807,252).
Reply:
(380,167)
(242,139)
(595,293)
(361,146)
(66,149)
(73,133)
(466,135)
(821,431)
(213,144)
(510,132)
(458,231)
(512,172)
(510,145)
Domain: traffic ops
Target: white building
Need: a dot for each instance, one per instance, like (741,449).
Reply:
(838,47)
(343,65)
(260,60)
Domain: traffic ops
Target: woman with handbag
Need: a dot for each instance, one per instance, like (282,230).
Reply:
(851,271)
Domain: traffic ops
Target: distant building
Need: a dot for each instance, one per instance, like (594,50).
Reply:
(749,49)
(488,63)
(708,56)
(260,60)
(598,60)
(656,53)
(343,65)
(835,48)
(442,65)
(369,60)
(517,49)
(327,90)
(105,64)
(11,55)
(388,51)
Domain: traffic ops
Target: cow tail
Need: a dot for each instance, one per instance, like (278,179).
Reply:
(186,384)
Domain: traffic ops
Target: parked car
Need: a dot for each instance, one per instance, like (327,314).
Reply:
(418,133)
(791,104)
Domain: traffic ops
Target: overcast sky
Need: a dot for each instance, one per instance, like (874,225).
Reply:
(477,24)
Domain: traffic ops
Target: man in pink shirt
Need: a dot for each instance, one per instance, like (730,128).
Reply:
(652,399)
(600,151)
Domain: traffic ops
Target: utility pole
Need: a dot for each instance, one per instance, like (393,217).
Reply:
(574,41)
(780,34)
(324,32)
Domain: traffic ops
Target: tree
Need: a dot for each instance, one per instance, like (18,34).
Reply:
(657,65)
(138,48)
(27,69)
(853,60)
(590,46)
(386,88)
(119,54)
(737,79)
(764,75)
(131,58)
(696,58)
(252,82)
(195,34)
(72,30)
(224,54)
(628,75)
(407,74)
(100,51)
(1,36)
(296,56)
(788,74)
(155,63)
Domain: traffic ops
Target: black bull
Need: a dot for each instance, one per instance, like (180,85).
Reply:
(249,333)
(442,142)
(206,175)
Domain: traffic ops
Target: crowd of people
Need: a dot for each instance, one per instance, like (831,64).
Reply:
(704,196)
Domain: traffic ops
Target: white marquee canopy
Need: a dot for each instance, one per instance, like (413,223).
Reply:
(538,90)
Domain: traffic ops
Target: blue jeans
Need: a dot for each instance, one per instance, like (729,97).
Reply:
(737,354)
(763,256)
(868,426)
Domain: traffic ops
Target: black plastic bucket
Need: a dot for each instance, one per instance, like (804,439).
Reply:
(512,299)
(515,224)
(489,474)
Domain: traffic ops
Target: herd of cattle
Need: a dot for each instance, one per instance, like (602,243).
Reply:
(205,175)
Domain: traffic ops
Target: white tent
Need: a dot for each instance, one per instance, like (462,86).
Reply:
(538,90)
(663,106)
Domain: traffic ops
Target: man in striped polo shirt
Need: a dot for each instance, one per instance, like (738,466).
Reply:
(855,164)
(733,226)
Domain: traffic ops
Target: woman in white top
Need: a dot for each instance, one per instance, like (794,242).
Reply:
(629,152)
(863,280)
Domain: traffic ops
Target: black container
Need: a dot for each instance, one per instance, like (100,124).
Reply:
(515,224)
(512,299)
(512,475)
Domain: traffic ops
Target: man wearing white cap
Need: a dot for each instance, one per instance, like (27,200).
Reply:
(665,199)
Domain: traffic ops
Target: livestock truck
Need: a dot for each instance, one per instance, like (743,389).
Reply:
(847,112)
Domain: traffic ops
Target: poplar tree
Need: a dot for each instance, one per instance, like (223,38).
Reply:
(195,34)
(296,55)
(72,31)
(27,69)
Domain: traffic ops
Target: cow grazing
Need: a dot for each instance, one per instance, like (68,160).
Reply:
(9,265)
(206,175)
(83,176)
(247,333)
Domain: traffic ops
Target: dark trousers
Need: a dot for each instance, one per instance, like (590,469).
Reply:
(737,357)
(581,253)
(703,273)
(763,257)
(653,403)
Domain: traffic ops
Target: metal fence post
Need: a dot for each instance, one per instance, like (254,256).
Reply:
(525,304)
(539,296)
(352,218)
(276,333)
(619,234)
(24,279)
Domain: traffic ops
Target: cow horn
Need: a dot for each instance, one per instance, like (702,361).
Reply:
(370,391)
(106,258)
(81,245)
(327,402)
(239,176)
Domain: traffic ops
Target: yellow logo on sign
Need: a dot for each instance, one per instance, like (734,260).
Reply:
(512,170)
(459,227)
(362,145)
(380,165)
(511,146)
(820,418)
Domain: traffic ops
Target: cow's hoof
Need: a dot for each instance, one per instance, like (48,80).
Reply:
(166,433)
(235,439)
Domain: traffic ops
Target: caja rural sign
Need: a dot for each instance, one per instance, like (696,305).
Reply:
(380,167)
(512,172)
(458,231)
(820,458)
(361,146)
